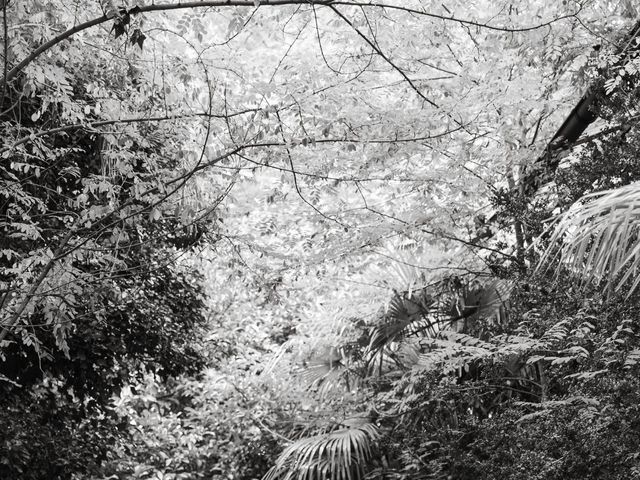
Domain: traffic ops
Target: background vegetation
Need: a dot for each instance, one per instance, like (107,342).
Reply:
(310,239)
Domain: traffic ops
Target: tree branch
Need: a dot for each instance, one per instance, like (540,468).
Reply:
(5,60)
(461,21)
(102,123)
(395,67)
(170,117)
(143,9)
(248,3)
(36,284)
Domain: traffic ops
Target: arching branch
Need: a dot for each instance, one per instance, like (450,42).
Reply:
(158,7)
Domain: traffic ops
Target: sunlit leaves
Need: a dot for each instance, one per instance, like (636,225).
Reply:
(338,455)
(598,239)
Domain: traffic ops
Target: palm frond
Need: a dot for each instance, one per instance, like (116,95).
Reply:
(598,239)
(406,314)
(423,314)
(482,301)
(338,455)
(325,370)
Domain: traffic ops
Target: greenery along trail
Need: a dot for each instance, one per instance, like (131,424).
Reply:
(306,240)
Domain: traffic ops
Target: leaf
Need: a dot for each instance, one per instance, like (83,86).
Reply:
(137,37)
(587,375)
(633,358)
(155,214)
(119,28)
(338,455)
(558,332)
(598,239)
(325,369)
(110,9)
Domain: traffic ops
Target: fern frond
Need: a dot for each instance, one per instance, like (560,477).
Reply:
(633,358)
(544,407)
(465,340)
(452,351)
(557,332)
(516,344)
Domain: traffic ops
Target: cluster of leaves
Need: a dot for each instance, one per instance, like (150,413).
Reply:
(48,432)
(215,425)
(536,393)
(548,390)
(585,426)
(151,321)
(92,294)
(95,170)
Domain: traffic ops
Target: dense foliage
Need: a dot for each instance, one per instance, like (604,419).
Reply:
(150,321)
(298,240)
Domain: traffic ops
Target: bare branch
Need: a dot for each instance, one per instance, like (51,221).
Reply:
(395,67)
(462,21)
(5,59)
(295,179)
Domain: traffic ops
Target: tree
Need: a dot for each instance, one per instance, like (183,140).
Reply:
(310,144)
(595,237)
(92,292)
(280,120)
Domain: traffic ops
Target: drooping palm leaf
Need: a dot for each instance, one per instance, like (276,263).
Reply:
(338,455)
(599,239)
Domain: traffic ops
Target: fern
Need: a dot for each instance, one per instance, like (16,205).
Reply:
(557,332)
(416,333)
(451,351)
(546,408)
(633,358)
(466,340)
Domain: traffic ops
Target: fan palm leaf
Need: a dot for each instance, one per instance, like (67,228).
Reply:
(481,301)
(406,314)
(338,455)
(421,313)
(326,369)
(598,238)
